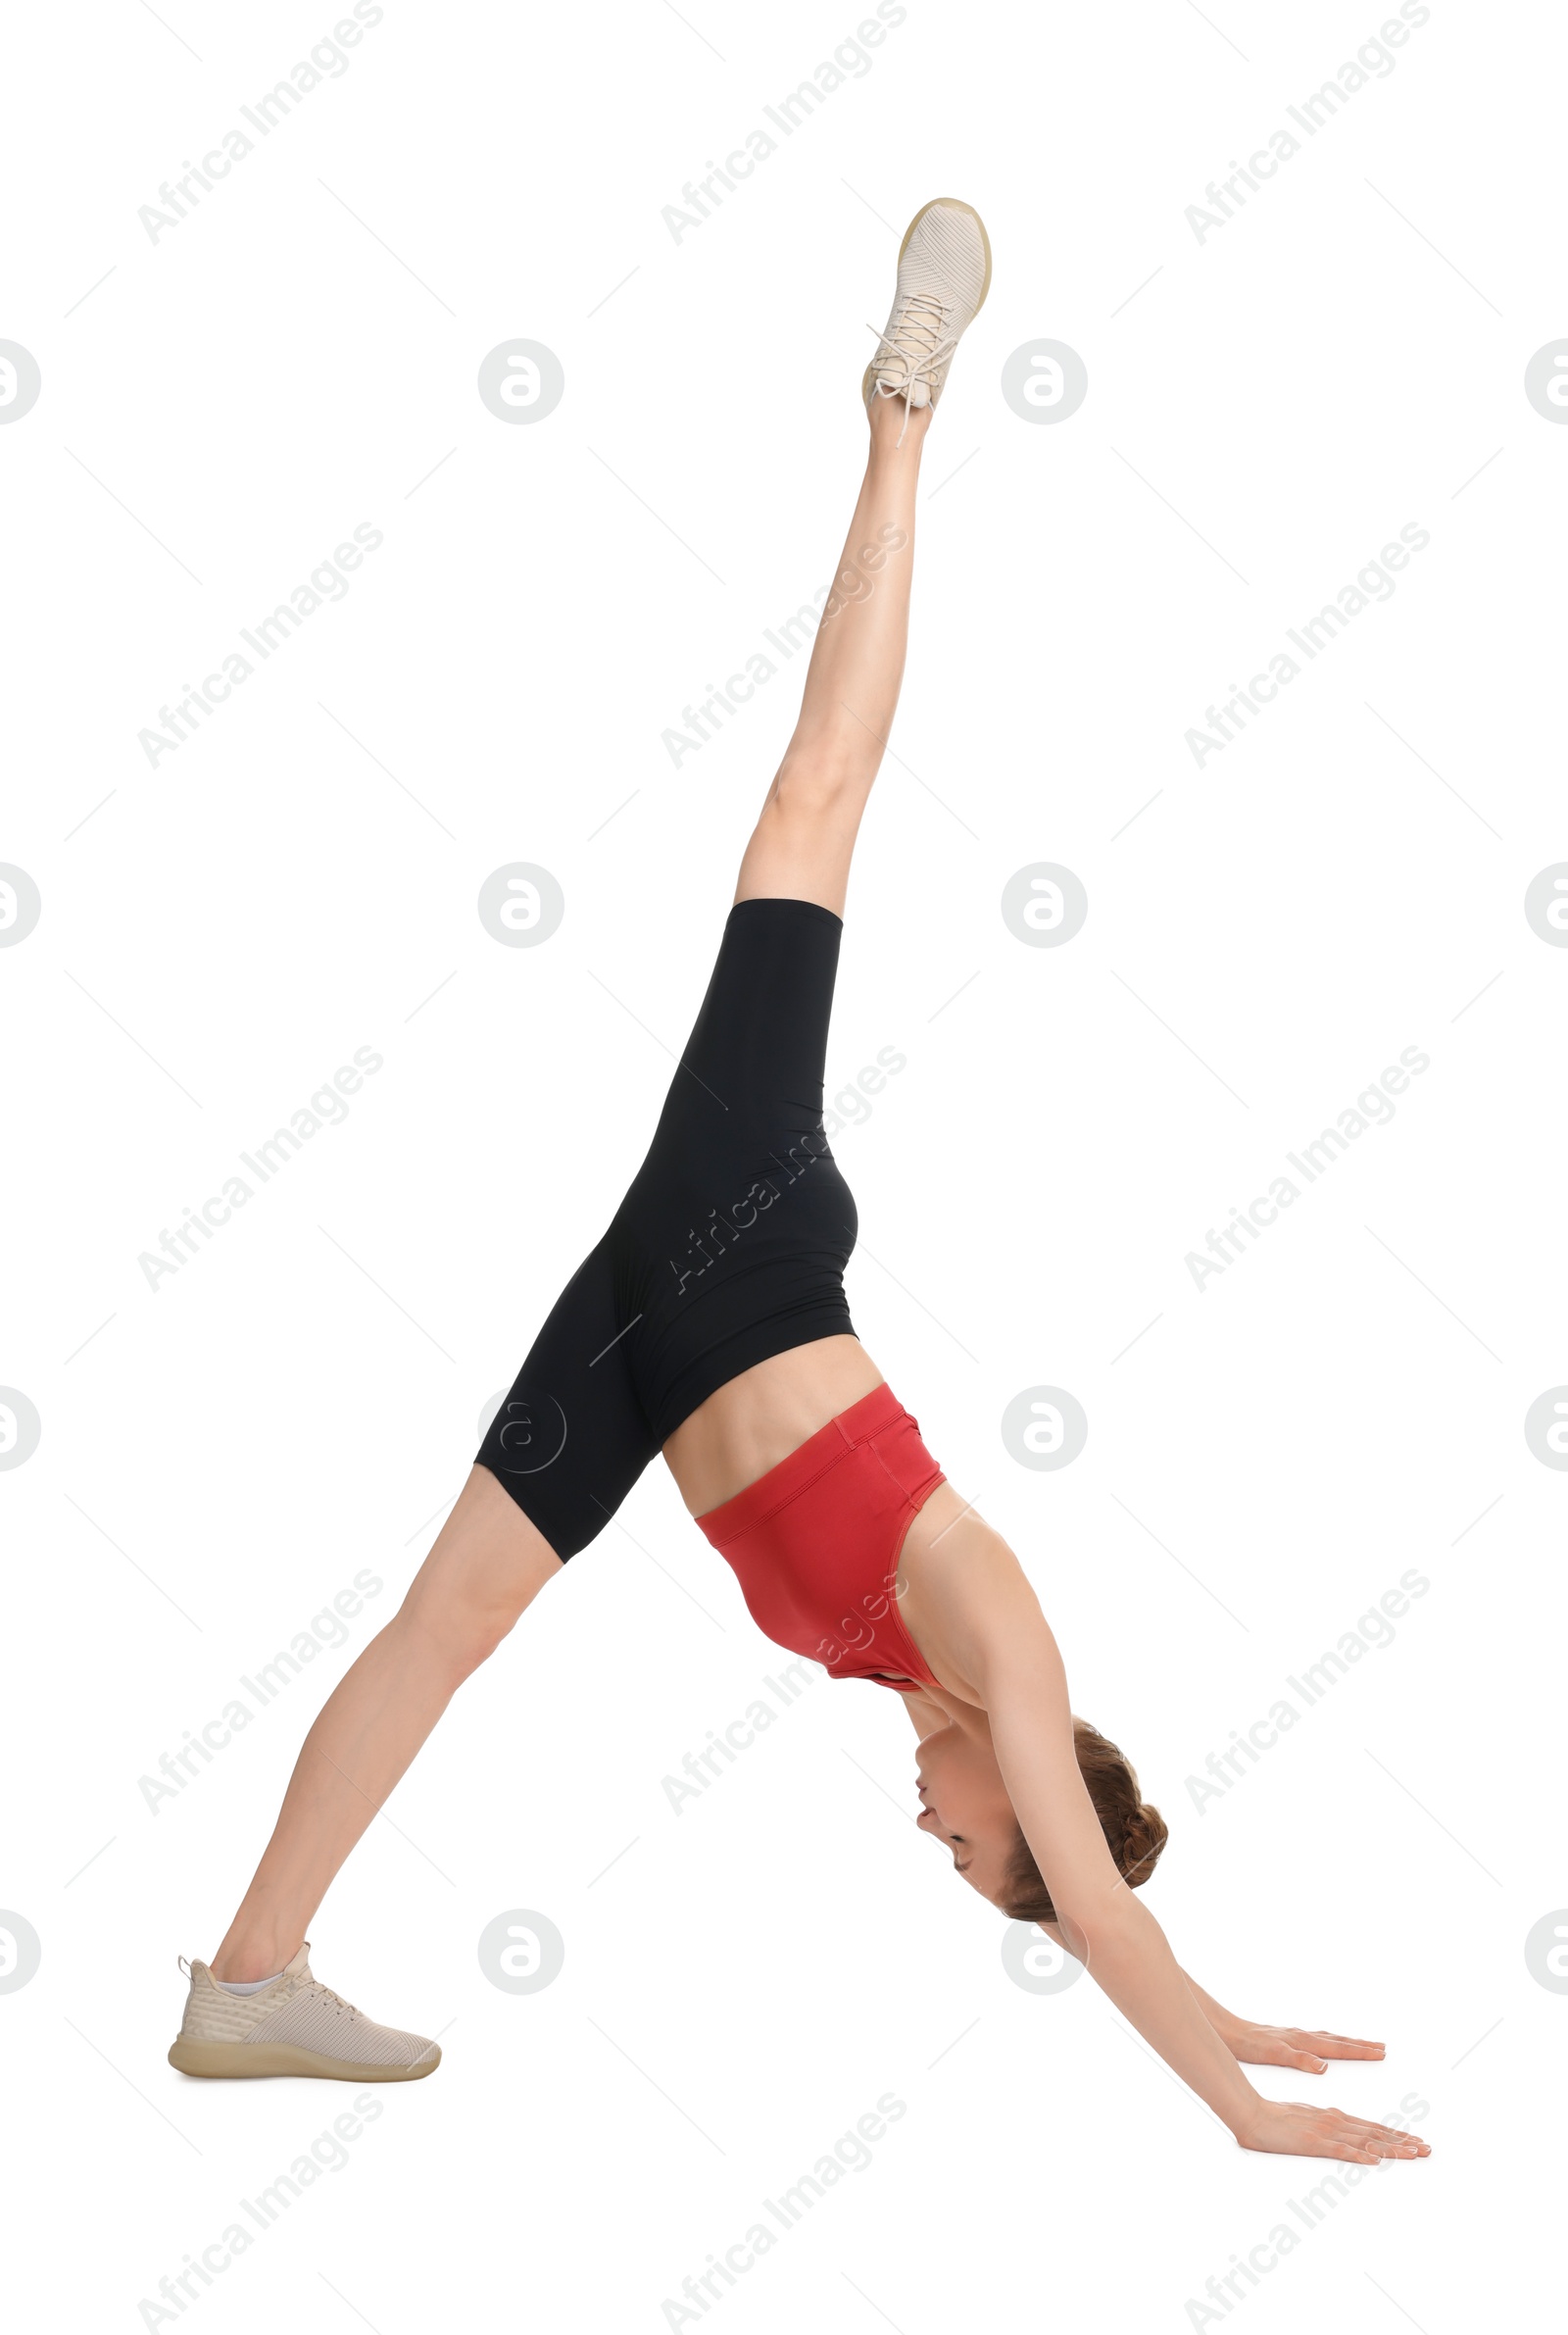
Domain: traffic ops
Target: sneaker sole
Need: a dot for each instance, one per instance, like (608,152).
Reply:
(949,203)
(289,2059)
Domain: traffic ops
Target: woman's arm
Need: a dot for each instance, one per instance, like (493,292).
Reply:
(1309,2049)
(1111,1933)
(1006,1649)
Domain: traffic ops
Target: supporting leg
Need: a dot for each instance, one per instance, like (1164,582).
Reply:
(803,842)
(488,1563)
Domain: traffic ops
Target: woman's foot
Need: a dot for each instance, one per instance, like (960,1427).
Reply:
(293,2025)
(944,277)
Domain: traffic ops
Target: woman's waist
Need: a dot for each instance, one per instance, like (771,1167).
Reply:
(761,1418)
(865,1466)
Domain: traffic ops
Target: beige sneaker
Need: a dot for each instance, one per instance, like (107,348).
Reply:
(944,277)
(296,2026)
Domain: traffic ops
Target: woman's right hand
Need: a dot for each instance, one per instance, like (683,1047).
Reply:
(1295,2129)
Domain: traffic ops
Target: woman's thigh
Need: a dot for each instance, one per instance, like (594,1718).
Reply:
(489,1561)
(572,1437)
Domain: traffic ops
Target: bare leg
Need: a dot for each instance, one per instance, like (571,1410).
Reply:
(488,1563)
(804,839)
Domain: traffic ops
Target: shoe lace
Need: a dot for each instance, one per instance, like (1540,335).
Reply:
(918,338)
(333,1997)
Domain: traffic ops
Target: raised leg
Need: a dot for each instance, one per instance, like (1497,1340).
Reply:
(488,1563)
(804,840)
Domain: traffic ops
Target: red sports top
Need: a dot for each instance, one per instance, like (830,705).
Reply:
(814,1543)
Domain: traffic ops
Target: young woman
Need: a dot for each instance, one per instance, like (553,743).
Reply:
(710,1323)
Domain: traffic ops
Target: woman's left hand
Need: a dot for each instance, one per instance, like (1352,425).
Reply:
(1309,2049)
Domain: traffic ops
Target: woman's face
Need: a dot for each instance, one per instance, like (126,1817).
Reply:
(964,1804)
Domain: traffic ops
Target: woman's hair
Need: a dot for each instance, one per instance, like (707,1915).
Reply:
(1134,1833)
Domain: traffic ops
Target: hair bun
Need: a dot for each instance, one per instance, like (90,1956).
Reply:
(1145,1837)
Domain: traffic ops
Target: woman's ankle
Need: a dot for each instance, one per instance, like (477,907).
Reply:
(898,426)
(242,1962)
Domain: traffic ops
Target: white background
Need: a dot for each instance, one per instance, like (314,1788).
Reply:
(220,1457)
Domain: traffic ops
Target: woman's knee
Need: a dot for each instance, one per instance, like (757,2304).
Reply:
(827,779)
(488,1565)
(455,1631)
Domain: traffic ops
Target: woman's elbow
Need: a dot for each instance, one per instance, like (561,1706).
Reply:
(1099,1922)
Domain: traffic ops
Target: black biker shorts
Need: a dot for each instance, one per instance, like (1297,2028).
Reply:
(729,1246)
